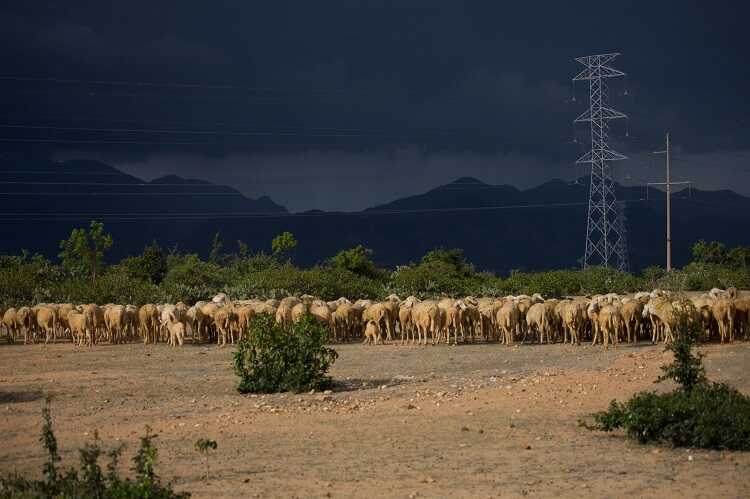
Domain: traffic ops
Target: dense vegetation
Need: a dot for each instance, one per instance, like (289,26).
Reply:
(158,275)
(91,481)
(274,358)
(699,413)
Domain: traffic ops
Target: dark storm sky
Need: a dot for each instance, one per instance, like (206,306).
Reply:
(342,105)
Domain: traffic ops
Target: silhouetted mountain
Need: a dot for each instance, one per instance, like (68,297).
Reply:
(500,227)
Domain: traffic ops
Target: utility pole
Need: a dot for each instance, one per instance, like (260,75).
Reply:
(668,184)
(605,227)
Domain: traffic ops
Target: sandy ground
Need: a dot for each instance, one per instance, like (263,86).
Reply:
(466,421)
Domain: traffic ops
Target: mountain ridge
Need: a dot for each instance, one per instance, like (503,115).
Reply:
(500,227)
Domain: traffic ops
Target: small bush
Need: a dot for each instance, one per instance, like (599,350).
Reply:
(272,358)
(711,416)
(90,481)
(697,414)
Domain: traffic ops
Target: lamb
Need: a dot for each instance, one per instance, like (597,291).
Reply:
(372,333)
(176,333)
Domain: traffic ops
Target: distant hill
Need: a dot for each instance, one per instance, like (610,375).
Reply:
(499,227)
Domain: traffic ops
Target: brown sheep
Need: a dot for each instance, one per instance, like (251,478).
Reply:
(148,319)
(632,318)
(509,320)
(723,310)
(62,317)
(742,316)
(372,333)
(427,320)
(176,333)
(224,321)
(392,304)
(244,315)
(284,310)
(80,328)
(380,313)
(95,318)
(10,323)
(406,323)
(46,319)
(114,320)
(610,324)
(298,311)
(26,319)
(342,320)
(538,320)
(574,320)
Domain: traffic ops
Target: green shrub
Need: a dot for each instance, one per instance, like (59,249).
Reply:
(272,358)
(90,481)
(697,414)
(356,260)
(711,416)
(433,277)
(155,277)
(189,270)
(328,283)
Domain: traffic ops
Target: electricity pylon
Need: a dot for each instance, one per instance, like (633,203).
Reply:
(605,228)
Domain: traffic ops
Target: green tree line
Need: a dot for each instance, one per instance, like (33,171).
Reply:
(160,275)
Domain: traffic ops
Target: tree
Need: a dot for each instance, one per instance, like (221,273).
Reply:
(355,260)
(242,250)
(283,245)
(154,263)
(453,257)
(83,252)
(739,257)
(713,252)
(216,245)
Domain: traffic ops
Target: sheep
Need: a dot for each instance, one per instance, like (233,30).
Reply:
(26,320)
(148,319)
(114,320)
(537,319)
(406,324)
(508,319)
(632,318)
(46,319)
(574,318)
(372,333)
(661,312)
(10,323)
(723,310)
(427,319)
(453,320)
(380,313)
(284,310)
(81,328)
(176,333)
(610,323)
(224,319)
(342,322)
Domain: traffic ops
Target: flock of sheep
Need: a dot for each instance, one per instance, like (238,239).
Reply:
(608,319)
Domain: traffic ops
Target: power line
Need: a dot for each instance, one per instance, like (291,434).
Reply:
(88,193)
(31,216)
(203,132)
(451,187)
(131,184)
(162,143)
(147,84)
(66,117)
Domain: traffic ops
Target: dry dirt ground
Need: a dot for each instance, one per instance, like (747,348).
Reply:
(466,421)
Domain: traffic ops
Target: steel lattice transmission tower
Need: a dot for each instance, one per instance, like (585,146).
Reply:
(606,242)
